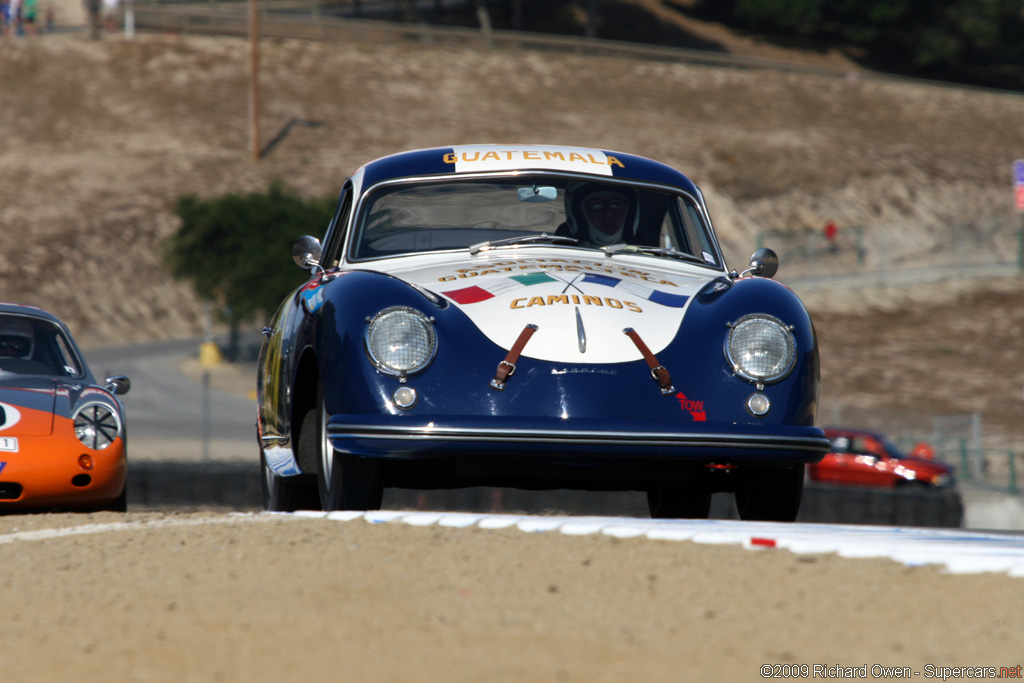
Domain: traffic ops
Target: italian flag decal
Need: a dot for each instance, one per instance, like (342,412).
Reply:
(492,288)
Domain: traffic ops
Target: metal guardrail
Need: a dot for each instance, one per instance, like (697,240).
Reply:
(862,257)
(995,469)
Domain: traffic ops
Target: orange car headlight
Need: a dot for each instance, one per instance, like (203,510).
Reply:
(96,425)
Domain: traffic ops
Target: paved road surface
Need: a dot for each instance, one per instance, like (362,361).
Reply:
(167,408)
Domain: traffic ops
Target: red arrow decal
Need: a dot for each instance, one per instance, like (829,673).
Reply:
(695,408)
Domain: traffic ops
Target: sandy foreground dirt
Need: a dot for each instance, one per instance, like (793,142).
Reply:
(204,597)
(99,139)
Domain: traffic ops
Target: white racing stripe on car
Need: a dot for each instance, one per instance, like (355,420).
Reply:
(959,551)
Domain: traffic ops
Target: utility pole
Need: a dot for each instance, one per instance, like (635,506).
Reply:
(254,80)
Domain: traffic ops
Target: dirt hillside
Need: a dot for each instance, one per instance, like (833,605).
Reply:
(98,139)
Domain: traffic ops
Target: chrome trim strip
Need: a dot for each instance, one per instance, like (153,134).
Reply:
(581,334)
(552,436)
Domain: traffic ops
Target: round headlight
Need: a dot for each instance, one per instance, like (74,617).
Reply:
(400,340)
(96,425)
(761,348)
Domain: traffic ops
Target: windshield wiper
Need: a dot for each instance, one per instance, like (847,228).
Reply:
(657,251)
(521,239)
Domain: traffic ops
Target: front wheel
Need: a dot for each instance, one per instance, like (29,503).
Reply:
(119,504)
(345,482)
(287,494)
(770,494)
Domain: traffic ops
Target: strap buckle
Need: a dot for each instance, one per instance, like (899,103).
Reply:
(507,367)
(658,371)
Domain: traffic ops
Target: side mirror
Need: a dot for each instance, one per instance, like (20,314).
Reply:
(763,262)
(118,385)
(306,252)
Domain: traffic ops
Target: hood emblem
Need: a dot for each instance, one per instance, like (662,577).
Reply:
(581,334)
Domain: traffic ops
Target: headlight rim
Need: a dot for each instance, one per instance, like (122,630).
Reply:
(113,412)
(381,364)
(740,370)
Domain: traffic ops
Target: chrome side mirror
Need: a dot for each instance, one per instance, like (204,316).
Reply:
(118,385)
(764,262)
(306,252)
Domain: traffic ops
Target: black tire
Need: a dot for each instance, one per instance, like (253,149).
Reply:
(770,494)
(344,482)
(287,494)
(679,501)
(119,504)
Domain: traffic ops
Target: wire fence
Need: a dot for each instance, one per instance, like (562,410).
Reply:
(981,459)
(886,255)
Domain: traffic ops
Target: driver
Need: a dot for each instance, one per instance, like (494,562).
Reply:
(16,338)
(599,215)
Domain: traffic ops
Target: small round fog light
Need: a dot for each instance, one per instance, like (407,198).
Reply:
(85,462)
(405,397)
(758,405)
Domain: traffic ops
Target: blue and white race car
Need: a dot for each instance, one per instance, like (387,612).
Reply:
(535,317)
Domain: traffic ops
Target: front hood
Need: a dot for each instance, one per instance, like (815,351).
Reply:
(580,304)
(27,410)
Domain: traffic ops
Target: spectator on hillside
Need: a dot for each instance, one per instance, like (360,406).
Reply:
(110,15)
(92,16)
(14,18)
(5,17)
(29,14)
(831,233)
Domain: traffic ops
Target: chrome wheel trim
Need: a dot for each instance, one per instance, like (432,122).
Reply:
(326,451)
(268,475)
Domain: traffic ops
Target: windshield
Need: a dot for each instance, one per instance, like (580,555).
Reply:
(464,213)
(29,346)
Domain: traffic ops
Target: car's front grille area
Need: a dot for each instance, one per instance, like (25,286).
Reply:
(9,490)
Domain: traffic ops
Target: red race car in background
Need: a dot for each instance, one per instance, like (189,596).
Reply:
(869,458)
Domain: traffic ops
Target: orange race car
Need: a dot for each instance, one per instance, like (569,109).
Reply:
(62,436)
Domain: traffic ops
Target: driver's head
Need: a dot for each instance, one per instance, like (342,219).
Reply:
(605,211)
(16,338)
(601,214)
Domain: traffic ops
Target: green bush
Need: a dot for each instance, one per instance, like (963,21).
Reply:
(236,249)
